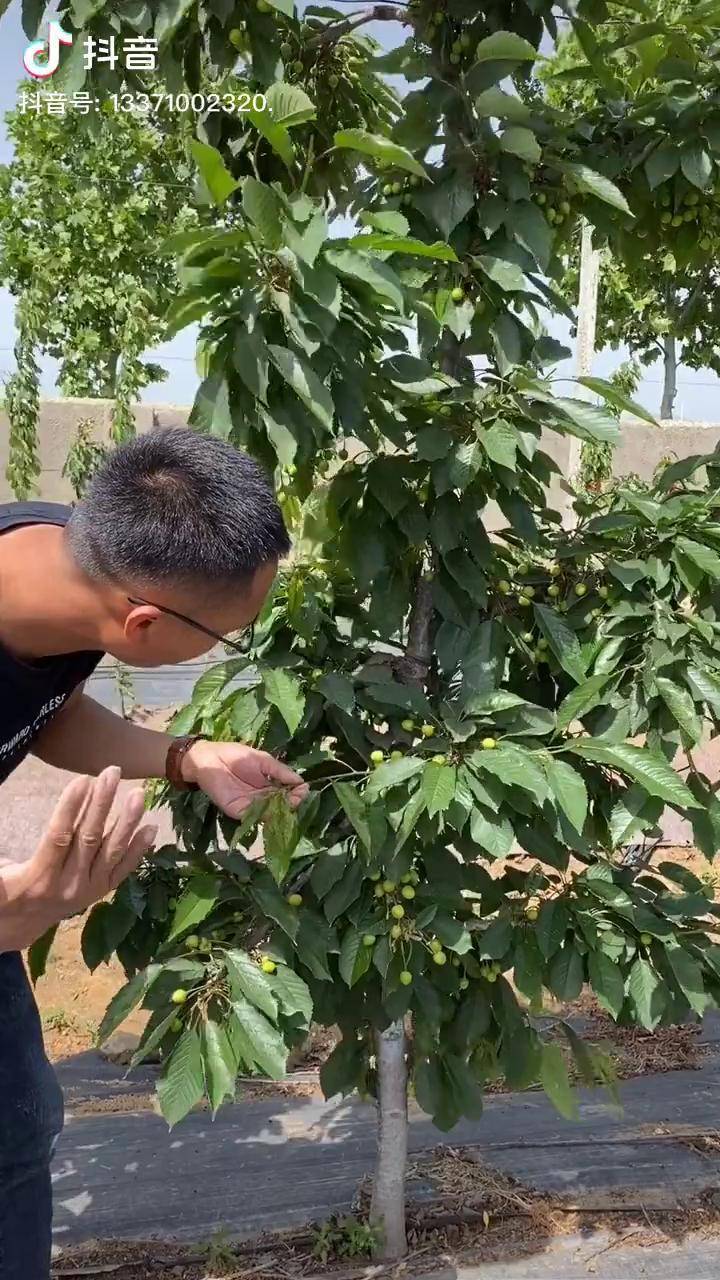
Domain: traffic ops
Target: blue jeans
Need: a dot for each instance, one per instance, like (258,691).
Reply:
(31,1117)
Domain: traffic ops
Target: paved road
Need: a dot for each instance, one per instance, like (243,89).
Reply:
(280,1163)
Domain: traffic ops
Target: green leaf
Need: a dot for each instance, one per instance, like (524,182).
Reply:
(607,982)
(404,244)
(286,7)
(706,686)
(149,1041)
(280,835)
(556,1082)
(182,1083)
(566,973)
(305,383)
(265,1042)
(211,410)
(505,46)
(569,790)
(379,276)
(292,993)
(390,774)
(439,782)
(551,926)
(125,1000)
(617,398)
(689,977)
(521,142)
(220,1064)
(682,708)
(195,904)
(651,770)
(289,105)
(661,164)
(379,148)
(505,274)
(515,766)
(500,441)
(354,807)
(587,421)
(646,993)
(262,206)
(563,642)
(355,958)
(247,979)
(284,691)
(39,952)
(218,180)
(704,557)
(493,833)
(495,103)
(595,184)
(276,134)
(170,15)
(582,699)
(448,203)
(697,165)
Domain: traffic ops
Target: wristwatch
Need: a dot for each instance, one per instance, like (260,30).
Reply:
(177,751)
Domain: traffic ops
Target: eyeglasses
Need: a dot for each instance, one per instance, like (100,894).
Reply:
(242,647)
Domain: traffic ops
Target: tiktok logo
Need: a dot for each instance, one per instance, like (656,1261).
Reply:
(41,59)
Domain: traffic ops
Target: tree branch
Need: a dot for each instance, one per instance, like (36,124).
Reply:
(378,13)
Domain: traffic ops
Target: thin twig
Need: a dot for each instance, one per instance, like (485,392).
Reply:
(378,13)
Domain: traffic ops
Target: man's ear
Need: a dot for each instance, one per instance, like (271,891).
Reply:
(139,620)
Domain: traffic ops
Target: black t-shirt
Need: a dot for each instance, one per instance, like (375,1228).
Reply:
(32,693)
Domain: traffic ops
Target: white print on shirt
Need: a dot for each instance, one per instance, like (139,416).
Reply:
(31,731)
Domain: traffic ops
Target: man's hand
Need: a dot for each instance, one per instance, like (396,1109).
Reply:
(81,858)
(233,775)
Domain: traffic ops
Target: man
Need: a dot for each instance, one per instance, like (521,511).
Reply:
(176,544)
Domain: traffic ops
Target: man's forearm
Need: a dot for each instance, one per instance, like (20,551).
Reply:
(87,738)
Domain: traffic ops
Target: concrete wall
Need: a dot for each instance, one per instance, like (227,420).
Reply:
(640,451)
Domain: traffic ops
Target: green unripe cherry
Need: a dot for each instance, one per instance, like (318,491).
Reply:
(396,932)
(603,593)
(646,939)
(294,900)
(427,730)
(405,978)
(377,757)
(389,886)
(408,725)
(437,760)
(458,294)
(524,600)
(179,996)
(369,939)
(527,636)
(439,957)
(408,892)
(397,912)
(488,744)
(553,591)
(580,589)
(193,942)
(267,965)
(396,755)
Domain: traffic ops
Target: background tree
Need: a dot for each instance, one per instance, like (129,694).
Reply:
(82,210)
(661,302)
(453,695)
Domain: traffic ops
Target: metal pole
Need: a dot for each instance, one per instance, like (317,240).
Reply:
(585,344)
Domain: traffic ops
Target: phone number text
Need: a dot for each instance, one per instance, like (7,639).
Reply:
(198,103)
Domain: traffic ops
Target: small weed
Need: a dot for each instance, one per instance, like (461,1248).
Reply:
(221,1258)
(344,1238)
(58,1020)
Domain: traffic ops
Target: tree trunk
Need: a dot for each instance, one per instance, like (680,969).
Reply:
(670,383)
(387,1210)
(108,391)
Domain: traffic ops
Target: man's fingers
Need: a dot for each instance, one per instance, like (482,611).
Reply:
(57,839)
(139,847)
(275,771)
(91,828)
(117,840)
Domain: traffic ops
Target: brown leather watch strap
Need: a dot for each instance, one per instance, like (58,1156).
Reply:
(173,764)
